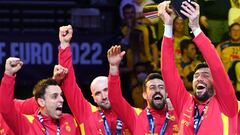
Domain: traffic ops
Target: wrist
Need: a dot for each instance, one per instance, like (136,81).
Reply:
(113,69)
(196,31)
(168,30)
(9,73)
(195,28)
(59,81)
(64,45)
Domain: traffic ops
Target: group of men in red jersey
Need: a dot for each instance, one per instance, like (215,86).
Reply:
(213,109)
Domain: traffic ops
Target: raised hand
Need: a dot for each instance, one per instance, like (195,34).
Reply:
(65,35)
(12,66)
(59,73)
(115,55)
(165,12)
(169,104)
(192,12)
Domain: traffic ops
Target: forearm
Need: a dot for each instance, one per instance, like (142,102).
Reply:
(222,84)
(119,104)
(12,117)
(174,85)
(7,93)
(77,103)
(27,106)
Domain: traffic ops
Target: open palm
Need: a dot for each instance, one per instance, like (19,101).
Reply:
(115,55)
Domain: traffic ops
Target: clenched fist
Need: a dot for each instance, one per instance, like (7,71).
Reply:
(12,66)
(65,35)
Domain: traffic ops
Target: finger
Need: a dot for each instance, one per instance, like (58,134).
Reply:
(65,70)
(21,63)
(122,53)
(114,50)
(12,59)
(18,66)
(189,6)
(14,63)
(110,51)
(195,5)
(118,49)
(186,8)
(64,30)
(70,29)
(161,8)
(56,68)
(169,10)
(185,13)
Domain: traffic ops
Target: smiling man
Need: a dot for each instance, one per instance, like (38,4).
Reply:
(93,120)
(203,82)
(49,120)
(157,118)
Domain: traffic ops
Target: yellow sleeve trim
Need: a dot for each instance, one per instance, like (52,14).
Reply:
(137,110)
(225,124)
(238,106)
(82,129)
(94,108)
(29,117)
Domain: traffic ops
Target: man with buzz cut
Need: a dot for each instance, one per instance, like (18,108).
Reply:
(93,120)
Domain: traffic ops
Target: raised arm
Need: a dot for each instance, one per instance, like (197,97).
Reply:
(119,104)
(76,101)
(222,84)
(173,83)
(12,117)
(28,106)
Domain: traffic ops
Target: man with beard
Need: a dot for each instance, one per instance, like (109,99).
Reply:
(214,105)
(155,118)
(49,120)
(93,120)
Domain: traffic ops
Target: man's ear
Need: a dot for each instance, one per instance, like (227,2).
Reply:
(41,102)
(93,98)
(144,94)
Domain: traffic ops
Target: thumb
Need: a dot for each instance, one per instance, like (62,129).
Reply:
(122,53)
(19,66)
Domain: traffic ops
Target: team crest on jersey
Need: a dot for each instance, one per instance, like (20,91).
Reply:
(126,132)
(100,132)
(1,131)
(175,128)
(172,118)
(67,127)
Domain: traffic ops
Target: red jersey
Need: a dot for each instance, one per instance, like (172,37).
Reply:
(28,106)
(87,115)
(238,118)
(221,109)
(136,119)
(30,124)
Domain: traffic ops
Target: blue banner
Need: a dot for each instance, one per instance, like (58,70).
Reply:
(39,53)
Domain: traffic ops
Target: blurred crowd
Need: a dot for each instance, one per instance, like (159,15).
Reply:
(141,38)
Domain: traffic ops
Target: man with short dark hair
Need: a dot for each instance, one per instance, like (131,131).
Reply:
(49,120)
(157,117)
